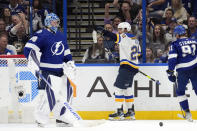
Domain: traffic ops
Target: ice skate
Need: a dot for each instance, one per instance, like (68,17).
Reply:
(130,115)
(188,116)
(119,115)
(60,123)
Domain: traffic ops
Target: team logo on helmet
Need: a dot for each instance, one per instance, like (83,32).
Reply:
(57,48)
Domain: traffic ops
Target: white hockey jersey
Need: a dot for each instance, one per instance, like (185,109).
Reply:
(129,49)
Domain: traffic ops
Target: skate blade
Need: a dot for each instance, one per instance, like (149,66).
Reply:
(63,125)
(129,118)
(181,116)
(116,118)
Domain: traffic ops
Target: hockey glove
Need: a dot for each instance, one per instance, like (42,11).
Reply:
(70,70)
(171,75)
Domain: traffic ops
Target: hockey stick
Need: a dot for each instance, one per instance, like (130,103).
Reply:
(157,82)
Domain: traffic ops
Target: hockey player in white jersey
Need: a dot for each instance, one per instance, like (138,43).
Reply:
(129,50)
(183,58)
(54,50)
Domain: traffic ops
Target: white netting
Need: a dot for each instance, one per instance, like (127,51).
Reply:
(16,77)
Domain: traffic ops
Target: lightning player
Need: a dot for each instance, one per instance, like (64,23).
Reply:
(54,50)
(183,57)
(129,50)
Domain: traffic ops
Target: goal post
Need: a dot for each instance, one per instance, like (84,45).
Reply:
(18,89)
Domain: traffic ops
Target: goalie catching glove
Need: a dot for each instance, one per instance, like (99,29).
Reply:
(171,75)
(70,69)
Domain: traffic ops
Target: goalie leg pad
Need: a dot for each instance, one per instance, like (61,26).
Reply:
(42,111)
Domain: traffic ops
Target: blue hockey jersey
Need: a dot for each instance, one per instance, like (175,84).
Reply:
(183,54)
(53,47)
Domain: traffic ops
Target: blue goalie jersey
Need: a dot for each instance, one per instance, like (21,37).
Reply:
(183,54)
(53,47)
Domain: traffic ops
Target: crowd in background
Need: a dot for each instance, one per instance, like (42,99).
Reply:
(15,25)
(161,18)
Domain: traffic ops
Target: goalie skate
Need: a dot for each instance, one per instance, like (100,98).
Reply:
(60,123)
(40,124)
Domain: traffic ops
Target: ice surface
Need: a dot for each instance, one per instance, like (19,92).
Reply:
(137,125)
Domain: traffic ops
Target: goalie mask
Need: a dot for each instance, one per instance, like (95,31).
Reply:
(52,21)
(124,25)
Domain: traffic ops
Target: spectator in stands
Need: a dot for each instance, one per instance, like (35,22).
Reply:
(4,3)
(193,8)
(170,29)
(156,7)
(36,20)
(107,19)
(180,12)
(2,26)
(109,42)
(23,3)
(138,32)
(7,16)
(128,10)
(96,53)
(39,10)
(149,55)
(47,4)
(15,8)
(192,29)
(163,56)
(114,55)
(19,32)
(158,39)
(3,45)
(167,17)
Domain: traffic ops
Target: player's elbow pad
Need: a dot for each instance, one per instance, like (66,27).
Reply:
(27,51)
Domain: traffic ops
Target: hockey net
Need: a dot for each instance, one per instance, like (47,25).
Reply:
(18,89)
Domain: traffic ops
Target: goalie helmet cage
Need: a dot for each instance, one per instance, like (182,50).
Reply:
(16,77)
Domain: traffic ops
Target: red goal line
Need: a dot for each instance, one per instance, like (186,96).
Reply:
(12,56)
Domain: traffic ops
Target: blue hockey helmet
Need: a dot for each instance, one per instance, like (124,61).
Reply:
(179,30)
(49,18)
